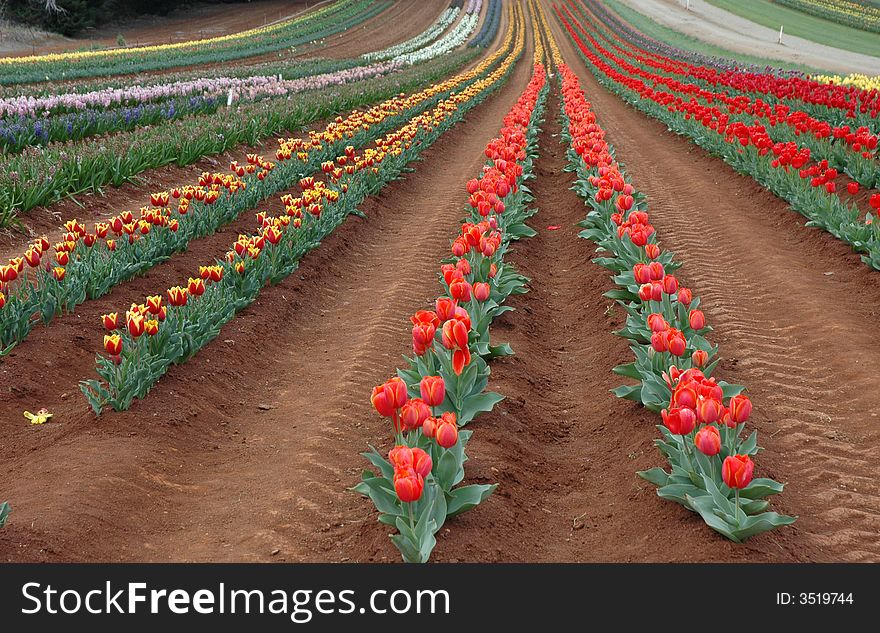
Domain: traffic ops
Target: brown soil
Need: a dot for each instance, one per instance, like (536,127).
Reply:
(246,452)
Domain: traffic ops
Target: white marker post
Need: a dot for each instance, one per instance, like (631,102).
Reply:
(687,5)
(780,35)
(229,99)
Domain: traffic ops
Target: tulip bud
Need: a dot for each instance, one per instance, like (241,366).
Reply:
(645,292)
(676,342)
(446,432)
(670,285)
(414,413)
(58,273)
(652,251)
(398,393)
(679,421)
(736,471)
(135,323)
(708,440)
(408,485)
(685,296)
(656,271)
(151,327)
(113,344)
(196,286)
(382,402)
(482,291)
(641,273)
(445,308)
(658,342)
(657,323)
(740,409)
(700,358)
(110,321)
(433,390)
(708,410)
(697,319)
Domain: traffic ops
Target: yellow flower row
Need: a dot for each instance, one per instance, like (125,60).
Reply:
(853,79)
(116,52)
(555,55)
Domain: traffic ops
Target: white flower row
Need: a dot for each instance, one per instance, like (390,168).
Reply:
(420,40)
(450,41)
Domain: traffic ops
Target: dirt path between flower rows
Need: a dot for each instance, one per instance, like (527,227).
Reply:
(795,313)
(248,448)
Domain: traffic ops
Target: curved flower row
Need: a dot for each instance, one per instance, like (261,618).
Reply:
(703,418)
(824,101)
(87,264)
(786,169)
(417,488)
(848,147)
(302,29)
(428,35)
(20,132)
(490,25)
(196,310)
(452,40)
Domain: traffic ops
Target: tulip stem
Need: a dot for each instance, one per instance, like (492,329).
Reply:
(736,493)
(412,521)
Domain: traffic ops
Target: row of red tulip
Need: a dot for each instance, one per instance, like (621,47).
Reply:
(784,168)
(702,418)
(417,487)
(853,150)
(198,308)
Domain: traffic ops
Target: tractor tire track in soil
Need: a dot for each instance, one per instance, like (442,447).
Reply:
(245,452)
(795,314)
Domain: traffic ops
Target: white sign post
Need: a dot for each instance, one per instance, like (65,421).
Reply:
(780,35)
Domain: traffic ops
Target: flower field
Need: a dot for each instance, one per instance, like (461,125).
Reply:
(483,280)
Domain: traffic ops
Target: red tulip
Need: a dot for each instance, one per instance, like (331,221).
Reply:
(708,440)
(676,342)
(382,402)
(111,321)
(740,409)
(656,271)
(670,285)
(414,413)
(646,292)
(177,296)
(58,273)
(700,358)
(272,235)
(429,427)
(445,308)
(32,257)
(708,410)
(113,344)
(697,319)
(154,304)
(446,430)
(151,327)
(641,273)
(433,390)
(422,338)
(134,321)
(421,462)
(408,485)
(679,421)
(658,342)
(685,296)
(460,358)
(196,286)
(652,251)
(657,323)
(482,291)
(460,290)
(8,273)
(852,188)
(737,470)
(455,334)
